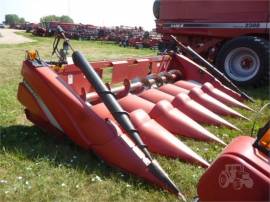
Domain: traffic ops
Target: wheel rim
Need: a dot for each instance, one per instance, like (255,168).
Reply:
(242,64)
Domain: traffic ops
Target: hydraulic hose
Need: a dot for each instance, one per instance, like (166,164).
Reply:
(109,100)
(211,68)
(122,118)
(120,115)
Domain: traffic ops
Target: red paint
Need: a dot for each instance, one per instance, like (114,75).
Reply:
(63,93)
(179,98)
(202,38)
(159,140)
(222,97)
(211,103)
(76,118)
(240,173)
(214,11)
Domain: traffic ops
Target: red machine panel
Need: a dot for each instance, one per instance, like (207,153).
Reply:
(241,173)
(122,70)
(214,11)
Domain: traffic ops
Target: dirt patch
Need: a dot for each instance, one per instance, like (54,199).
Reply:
(8,36)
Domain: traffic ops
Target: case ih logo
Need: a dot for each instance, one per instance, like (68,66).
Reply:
(236,175)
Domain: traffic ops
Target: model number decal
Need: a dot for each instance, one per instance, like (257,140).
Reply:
(252,25)
(177,25)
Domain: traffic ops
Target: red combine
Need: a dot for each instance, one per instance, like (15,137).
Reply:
(234,35)
(161,97)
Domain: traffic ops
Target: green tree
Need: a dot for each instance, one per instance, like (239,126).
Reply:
(11,19)
(49,18)
(21,20)
(66,18)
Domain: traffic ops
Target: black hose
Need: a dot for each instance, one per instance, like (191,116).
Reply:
(109,100)
(122,118)
(217,73)
(211,68)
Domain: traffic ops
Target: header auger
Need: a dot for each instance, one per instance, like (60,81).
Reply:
(161,97)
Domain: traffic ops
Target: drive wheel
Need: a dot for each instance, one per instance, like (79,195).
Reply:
(245,60)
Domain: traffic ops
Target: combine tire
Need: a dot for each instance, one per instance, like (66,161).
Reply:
(245,60)
(156,8)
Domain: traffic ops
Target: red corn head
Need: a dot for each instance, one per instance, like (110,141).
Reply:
(154,95)
(173,89)
(217,84)
(157,138)
(161,141)
(222,97)
(123,153)
(169,117)
(211,103)
(186,105)
(214,92)
(72,116)
(188,85)
(198,112)
(179,123)
(133,102)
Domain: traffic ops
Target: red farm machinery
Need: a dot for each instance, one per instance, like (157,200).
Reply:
(147,104)
(233,35)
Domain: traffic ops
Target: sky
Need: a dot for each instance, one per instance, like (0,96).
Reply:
(96,12)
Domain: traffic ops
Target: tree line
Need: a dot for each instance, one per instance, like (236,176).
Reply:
(63,18)
(13,19)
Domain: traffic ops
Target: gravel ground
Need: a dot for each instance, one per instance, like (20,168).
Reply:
(8,36)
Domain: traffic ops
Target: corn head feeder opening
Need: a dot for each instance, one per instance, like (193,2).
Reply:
(160,98)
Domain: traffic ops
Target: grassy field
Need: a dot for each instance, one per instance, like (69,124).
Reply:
(35,166)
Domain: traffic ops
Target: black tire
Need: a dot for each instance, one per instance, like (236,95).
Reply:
(161,47)
(156,8)
(168,46)
(245,60)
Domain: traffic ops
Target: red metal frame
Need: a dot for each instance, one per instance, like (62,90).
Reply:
(56,100)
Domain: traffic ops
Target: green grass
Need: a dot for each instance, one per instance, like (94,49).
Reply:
(35,166)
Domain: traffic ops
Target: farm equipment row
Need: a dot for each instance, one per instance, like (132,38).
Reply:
(124,36)
(161,97)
